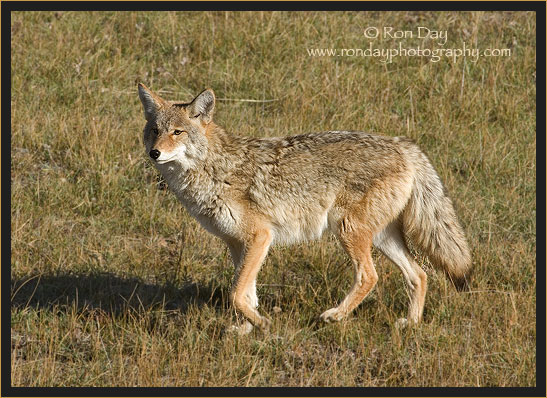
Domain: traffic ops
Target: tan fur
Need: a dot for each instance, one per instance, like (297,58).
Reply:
(430,221)
(255,192)
(357,241)
(255,252)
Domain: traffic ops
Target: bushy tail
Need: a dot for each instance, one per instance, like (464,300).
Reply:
(430,222)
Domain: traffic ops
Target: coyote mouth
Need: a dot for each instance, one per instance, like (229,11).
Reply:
(163,161)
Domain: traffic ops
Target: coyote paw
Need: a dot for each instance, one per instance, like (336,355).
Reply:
(241,330)
(401,323)
(265,324)
(247,327)
(332,315)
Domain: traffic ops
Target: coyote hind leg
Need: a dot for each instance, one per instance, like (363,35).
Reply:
(357,243)
(391,243)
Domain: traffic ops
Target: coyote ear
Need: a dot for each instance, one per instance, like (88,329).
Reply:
(151,102)
(202,106)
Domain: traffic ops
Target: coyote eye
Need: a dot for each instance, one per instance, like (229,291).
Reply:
(177,132)
(154,131)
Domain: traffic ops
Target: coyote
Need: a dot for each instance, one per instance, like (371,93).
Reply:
(367,190)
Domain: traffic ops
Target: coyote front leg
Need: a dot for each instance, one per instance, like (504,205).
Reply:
(242,294)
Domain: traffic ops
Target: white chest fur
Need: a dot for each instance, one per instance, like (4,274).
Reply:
(204,200)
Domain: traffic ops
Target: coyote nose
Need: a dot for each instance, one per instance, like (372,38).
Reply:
(154,154)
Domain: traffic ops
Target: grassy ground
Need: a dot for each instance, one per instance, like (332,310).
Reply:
(113,284)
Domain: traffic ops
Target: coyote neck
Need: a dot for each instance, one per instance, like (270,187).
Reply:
(203,189)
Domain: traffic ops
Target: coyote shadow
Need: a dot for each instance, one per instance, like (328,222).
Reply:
(111,294)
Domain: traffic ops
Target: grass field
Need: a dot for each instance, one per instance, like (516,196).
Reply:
(113,284)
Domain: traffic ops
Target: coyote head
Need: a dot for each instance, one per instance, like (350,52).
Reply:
(176,131)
